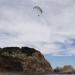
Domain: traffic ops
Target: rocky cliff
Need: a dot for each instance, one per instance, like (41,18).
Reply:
(25,59)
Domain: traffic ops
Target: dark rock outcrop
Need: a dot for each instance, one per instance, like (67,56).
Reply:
(25,59)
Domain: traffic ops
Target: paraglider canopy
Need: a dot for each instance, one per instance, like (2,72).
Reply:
(38,11)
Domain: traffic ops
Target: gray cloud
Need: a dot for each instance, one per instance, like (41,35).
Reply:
(19,26)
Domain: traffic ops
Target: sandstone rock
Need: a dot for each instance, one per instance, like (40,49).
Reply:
(67,69)
(23,59)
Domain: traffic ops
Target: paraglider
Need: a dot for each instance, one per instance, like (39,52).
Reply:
(38,10)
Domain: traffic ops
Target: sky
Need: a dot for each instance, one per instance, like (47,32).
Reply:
(52,33)
(60,61)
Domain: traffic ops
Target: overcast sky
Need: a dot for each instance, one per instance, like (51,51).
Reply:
(53,32)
